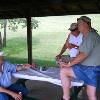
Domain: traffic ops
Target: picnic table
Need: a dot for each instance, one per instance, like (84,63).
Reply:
(51,76)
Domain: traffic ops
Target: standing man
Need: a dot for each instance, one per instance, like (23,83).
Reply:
(84,65)
(7,89)
(72,43)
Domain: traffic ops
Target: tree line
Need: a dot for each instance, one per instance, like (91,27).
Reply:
(13,24)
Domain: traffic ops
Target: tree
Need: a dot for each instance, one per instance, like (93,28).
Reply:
(2,26)
(13,24)
(0,41)
(5,30)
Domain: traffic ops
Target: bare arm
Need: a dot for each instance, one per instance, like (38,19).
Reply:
(5,91)
(23,67)
(80,57)
(16,96)
(63,48)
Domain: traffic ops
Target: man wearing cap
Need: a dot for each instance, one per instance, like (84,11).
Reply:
(72,43)
(7,89)
(86,64)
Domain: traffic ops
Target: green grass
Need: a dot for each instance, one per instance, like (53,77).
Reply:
(16,50)
(47,47)
(47,40)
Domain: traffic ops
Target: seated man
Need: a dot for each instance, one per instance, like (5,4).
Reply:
(7,89)
(72,43)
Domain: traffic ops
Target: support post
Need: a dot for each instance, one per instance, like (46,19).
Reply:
(29,39)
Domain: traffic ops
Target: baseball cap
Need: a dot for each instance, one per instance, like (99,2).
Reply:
(73,26)
(84,18)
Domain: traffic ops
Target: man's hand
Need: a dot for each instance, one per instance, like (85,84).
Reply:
(58,57)
(63,65)
(16,96)
(69,65)
(58,61)
(25,66)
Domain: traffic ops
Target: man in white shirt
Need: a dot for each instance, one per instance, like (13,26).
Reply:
(72,43)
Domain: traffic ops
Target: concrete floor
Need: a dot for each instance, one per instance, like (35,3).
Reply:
(44,90)
(48,91)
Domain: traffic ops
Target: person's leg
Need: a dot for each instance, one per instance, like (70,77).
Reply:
(18,88)
(65,74)
(91,92)
(3,96)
